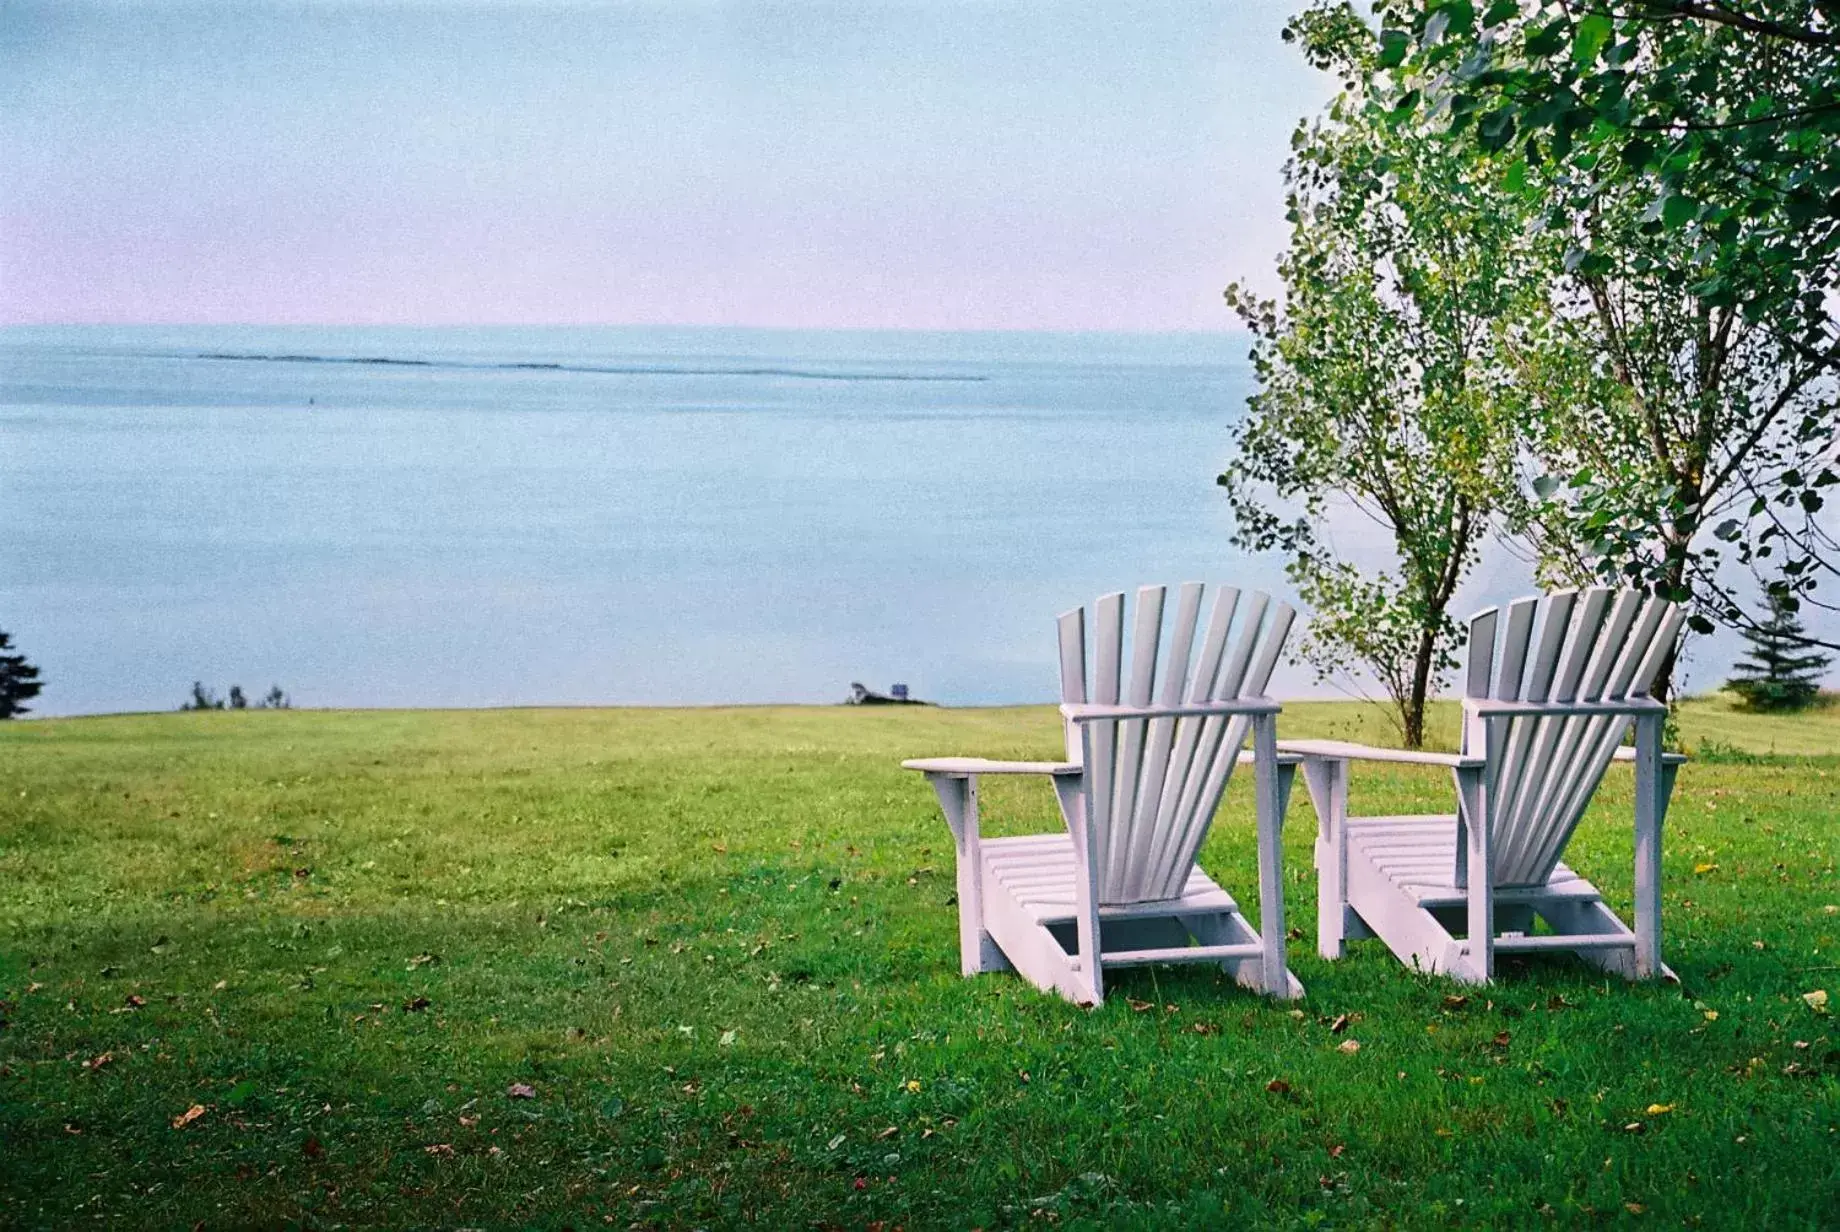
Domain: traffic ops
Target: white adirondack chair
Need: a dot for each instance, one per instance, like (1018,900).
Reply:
(1147,762)
(1541,723)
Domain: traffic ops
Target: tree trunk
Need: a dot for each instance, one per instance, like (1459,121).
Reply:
(1412,714)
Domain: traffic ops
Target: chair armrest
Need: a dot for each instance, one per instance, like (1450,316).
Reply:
(1088,712)
(1625,753)
(1343,750)
(965,767)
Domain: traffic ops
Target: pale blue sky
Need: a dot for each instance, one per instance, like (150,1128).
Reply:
(924,165)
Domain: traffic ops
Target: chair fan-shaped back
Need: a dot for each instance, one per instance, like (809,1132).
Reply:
(1152,785)
(1567,648)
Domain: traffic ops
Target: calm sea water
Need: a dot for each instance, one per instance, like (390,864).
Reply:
(472,517)
(509,516)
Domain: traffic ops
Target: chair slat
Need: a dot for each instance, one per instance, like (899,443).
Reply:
(1515,643)
(1555,621)
(1108,655)
(1188,731)
(1070,629)
(1226,687)
(1146,636)
(1514,647)
(1481,652)
(1518,768)
(1220,624)
(1251,683)
(1176,663)
(1479,672)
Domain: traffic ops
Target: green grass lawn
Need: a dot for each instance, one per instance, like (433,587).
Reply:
(718,948)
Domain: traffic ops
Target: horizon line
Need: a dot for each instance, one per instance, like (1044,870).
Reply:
(659,325)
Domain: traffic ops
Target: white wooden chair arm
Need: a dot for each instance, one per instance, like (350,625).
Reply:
(967,767)
(1625,753)
(1343,750)
(1088,712)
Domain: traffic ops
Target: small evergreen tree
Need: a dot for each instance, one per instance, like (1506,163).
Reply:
(237,700)
(19,682)
(275,699)
(1784,670)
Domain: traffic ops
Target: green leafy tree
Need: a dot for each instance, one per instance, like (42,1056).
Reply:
(1660,422)
(19,682)
(1686,153)
(1782,673)
(1380,379)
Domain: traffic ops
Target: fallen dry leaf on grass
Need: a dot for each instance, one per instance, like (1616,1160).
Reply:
(1660,1109)
(188,1116)
(1277,1086)
(1817,1000)
(1349,1046)
(521,1090)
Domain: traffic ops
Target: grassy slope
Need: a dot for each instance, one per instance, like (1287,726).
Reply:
(719,946)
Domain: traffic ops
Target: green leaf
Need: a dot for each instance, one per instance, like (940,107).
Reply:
(1550,39)
(1677,211)
(1393,47)
(1638,154)
(1461,15)
(1496,129)
(1589,37)
(1501,11)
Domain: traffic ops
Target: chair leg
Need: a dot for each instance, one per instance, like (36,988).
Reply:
(1328,785)
(1481,890)
(977,951)
(1654,784)
(1270,807)
(1091,975)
